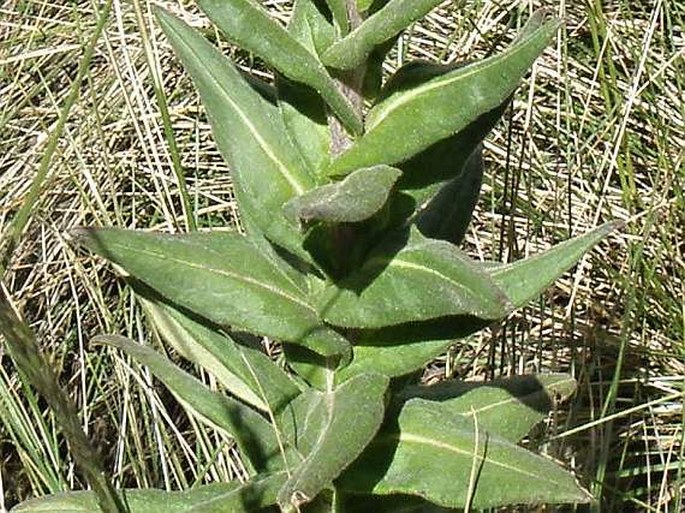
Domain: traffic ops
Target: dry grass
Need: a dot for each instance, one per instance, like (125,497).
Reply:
(596,133)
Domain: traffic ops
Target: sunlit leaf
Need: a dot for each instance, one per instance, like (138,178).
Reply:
(253,434)
(244,371)
(334,431)
(412,280)
(357,197)
(506,407)
(451,461)
(395,16)
(525,279)
(339,11)
(303,111)
(247,24)
(267,169)
(411,120)
(403,349)
(221,277)
(214,498)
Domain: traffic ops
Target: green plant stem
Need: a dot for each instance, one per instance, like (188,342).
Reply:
(350,84)
(27,356)
(22,218)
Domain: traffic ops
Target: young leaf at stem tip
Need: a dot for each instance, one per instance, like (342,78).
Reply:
(247,24)
(409,121)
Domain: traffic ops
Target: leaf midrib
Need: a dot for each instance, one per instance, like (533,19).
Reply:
(409,437)
(218,86)
(222,272)
(429,86)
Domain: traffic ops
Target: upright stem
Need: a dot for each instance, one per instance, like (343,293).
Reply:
(350,84)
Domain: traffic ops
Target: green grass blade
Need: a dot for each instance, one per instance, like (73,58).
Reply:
(23,216)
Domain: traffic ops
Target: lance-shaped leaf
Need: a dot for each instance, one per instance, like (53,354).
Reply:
(221,277)
(425,280)
(303,111)
(411,120)
(395,16)
(214,498)
(448,214)
(525,279)
(248,25)
(245,372)
(507,407)
(266,167)
(332,434)
(253,434)
(400,350)
(357,197)
(476,468)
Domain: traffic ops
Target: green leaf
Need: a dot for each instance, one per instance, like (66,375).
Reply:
(356,198)
(448,214)
(253,434)
(221,277)
(248,25)
(303,111)
(267,169)
(400,350)
(395,503)
(245,372)
(395,16)
(524,280)
(339,11)
(411,120)
(425,279)
(214,498)
(476,468)
(328,438)
(507,407)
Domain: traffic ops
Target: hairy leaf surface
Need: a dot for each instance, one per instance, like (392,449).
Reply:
(222,277)
(245,372)
(253,434)
(525,279)
(247,24)
(395,16)
(304,111)
(335,430)
(214,498)
(473,464)
(409,121)
(507,407)
(357,197)
(266,168)
(425,280)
